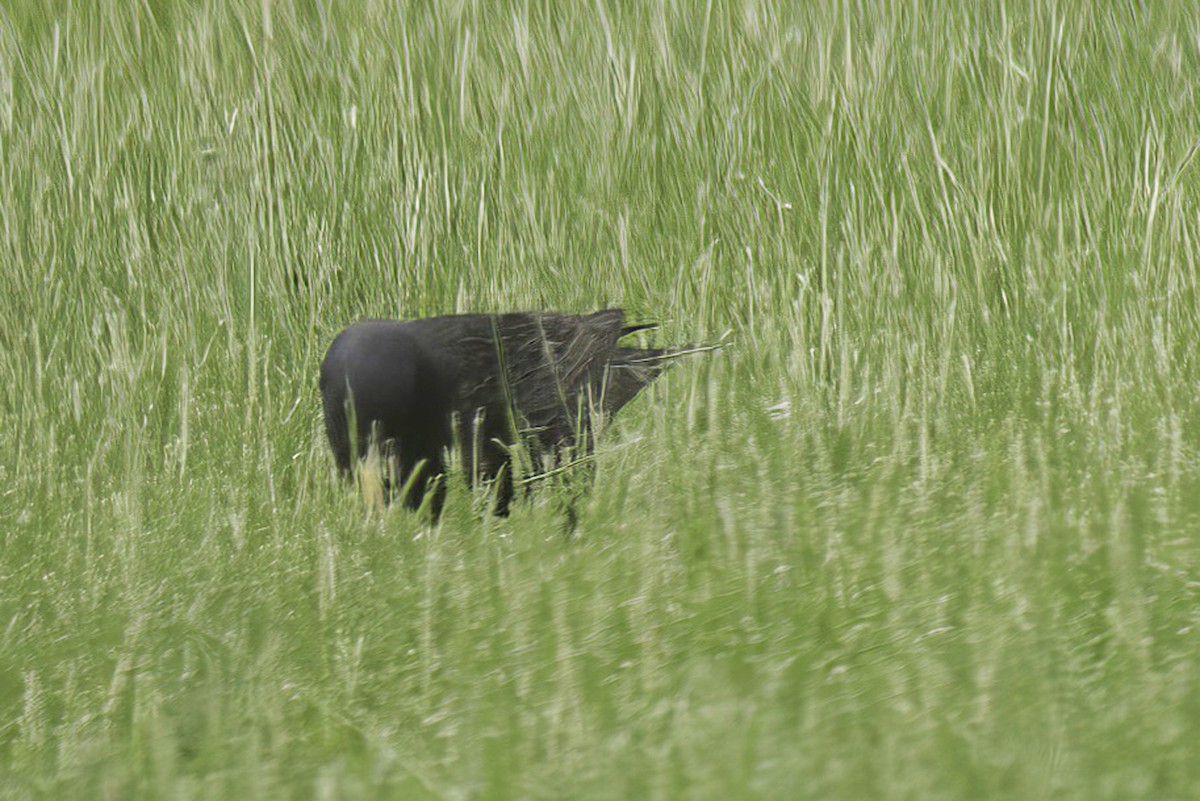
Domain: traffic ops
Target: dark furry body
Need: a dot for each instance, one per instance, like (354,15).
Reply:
(481,382)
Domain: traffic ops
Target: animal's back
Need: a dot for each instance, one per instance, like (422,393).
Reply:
(535,377)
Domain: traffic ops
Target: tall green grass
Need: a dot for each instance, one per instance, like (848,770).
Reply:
(929,529)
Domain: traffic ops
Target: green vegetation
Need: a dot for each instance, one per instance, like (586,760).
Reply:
(930,529)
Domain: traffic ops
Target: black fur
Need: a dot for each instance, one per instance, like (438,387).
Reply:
(495,379)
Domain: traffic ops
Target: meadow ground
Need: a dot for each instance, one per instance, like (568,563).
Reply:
(929,528)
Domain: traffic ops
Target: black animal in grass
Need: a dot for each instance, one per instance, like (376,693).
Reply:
(482,383)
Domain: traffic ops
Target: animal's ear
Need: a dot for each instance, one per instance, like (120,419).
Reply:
(633,329)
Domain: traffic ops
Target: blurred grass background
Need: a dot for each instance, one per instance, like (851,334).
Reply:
(928,530)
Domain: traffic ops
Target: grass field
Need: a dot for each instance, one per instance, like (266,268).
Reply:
(929,528)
